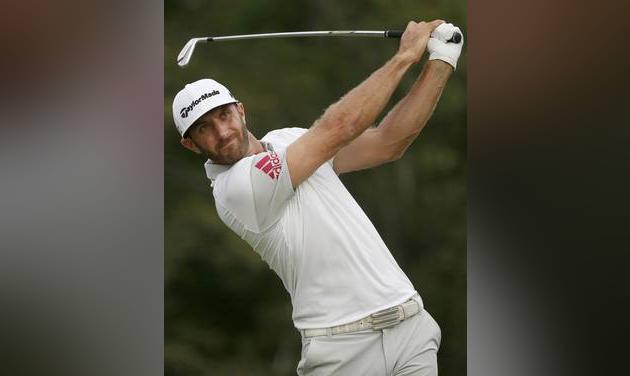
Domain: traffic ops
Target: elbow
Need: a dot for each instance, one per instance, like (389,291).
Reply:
(344,126)
(396,151)
(395,155)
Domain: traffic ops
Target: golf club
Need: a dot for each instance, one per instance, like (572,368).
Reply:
(186,53)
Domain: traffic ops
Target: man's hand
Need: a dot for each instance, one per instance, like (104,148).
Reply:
(440,49)
(414,40)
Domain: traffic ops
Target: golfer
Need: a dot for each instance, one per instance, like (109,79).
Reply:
(356,310)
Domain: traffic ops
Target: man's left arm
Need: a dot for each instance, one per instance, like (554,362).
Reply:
(389,141)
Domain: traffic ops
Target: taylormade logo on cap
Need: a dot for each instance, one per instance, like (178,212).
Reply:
(185,110)
(197,98)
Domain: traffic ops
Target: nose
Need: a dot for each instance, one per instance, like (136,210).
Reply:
(223,131)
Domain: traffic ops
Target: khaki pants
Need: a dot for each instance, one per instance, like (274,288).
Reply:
(409,348)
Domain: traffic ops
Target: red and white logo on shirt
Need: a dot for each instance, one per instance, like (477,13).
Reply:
(270,164)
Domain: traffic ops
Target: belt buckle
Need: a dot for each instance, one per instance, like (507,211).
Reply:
(385,318)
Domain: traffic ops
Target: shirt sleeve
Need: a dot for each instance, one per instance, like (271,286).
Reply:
(256,190)
(293,134)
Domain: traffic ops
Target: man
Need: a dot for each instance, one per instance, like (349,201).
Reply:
(357,311)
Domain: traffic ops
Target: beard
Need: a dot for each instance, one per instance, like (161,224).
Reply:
(230,157)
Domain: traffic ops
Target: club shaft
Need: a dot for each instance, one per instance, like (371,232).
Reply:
(185,54)
(332,33)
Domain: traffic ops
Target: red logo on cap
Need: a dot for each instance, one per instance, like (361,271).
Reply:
(270,164)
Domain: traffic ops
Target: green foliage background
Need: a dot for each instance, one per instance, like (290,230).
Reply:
(226,312)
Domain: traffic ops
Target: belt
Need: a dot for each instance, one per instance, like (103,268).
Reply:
(376,321)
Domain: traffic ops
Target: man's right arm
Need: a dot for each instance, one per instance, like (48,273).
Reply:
(348,118)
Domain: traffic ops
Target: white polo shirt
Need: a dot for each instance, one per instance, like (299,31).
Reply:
(326,251)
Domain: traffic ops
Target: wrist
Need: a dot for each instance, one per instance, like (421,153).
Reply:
(445,58)
(403,60)
(439,67)
(436,72)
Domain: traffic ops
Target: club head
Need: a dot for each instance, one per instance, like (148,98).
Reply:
(186,53)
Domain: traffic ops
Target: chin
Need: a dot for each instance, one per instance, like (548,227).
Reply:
(232,154)
(232,158)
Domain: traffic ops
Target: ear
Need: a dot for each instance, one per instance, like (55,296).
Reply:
(188,144)
(241,110)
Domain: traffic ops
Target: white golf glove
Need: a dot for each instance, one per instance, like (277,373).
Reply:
(440,49)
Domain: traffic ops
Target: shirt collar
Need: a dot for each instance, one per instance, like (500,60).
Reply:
(214,169)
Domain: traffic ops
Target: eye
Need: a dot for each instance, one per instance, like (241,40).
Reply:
(225,114)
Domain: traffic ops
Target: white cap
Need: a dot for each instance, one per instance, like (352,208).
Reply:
(197,98)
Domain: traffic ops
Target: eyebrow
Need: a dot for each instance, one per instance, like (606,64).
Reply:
(200,121)
(197,123)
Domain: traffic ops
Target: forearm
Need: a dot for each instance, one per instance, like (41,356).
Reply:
(349,117)
(405,121)
(359,108)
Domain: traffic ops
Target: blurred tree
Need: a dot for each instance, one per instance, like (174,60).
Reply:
(226,312)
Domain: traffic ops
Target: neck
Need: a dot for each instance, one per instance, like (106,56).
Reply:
(255,146)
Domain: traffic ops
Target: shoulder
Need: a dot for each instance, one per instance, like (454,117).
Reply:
(236,178)
(253,174)
(255,190)
(284,135)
